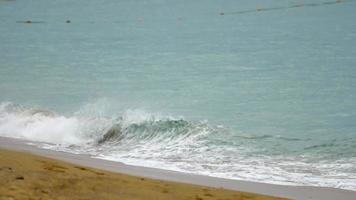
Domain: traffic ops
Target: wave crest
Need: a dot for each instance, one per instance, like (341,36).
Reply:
(42,125)
(39,124)
(152,129)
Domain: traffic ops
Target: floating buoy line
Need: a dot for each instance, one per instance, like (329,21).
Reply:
(257,10)
(293,6)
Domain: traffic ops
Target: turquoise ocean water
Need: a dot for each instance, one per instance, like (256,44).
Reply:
(253,90)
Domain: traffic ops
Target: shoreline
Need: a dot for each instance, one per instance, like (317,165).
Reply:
(28,176)
(284,191)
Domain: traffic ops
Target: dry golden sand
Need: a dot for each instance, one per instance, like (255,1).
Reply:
(26,176)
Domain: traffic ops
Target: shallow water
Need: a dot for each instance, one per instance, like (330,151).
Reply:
(233,89)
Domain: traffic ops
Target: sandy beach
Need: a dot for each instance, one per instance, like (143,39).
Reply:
(26,176)
(28,172)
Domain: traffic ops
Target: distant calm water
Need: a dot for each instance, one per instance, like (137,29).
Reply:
(204,87)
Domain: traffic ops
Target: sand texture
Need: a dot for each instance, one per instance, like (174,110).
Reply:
(26,176)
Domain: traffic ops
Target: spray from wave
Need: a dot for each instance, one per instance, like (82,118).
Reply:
(42,125)
(140,138)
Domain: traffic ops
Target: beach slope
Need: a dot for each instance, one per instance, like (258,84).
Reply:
(27,176)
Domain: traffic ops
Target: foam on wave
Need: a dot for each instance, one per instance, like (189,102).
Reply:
(140,138)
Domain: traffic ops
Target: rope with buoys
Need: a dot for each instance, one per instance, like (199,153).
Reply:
(298,5)
(258,9)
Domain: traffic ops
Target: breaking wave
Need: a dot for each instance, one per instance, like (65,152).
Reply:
(140,138)
(42,125)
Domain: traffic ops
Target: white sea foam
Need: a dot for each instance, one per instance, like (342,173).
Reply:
(38,126)
(140,138)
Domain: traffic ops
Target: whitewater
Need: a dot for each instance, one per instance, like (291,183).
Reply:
(144,139)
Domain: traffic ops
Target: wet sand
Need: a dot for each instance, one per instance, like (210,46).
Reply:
(27,176)
(81,176)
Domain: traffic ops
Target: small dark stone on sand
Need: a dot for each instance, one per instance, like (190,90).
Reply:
(45,191)
(198,198)
(6,168)
(20,178)
(81,168)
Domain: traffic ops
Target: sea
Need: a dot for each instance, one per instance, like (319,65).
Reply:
(252,90)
